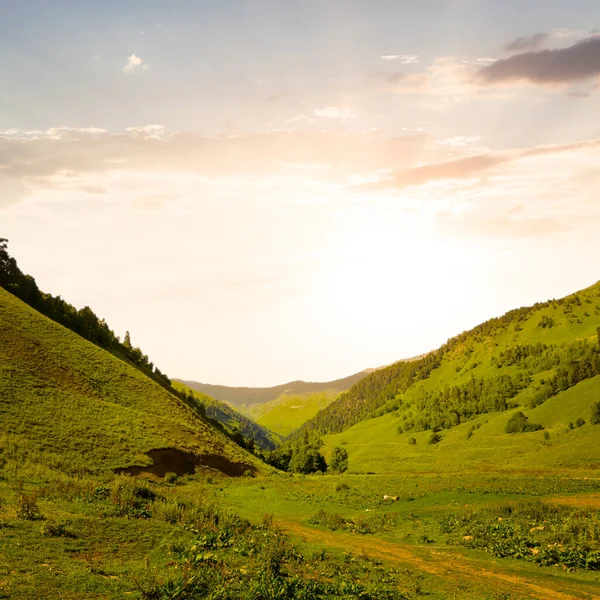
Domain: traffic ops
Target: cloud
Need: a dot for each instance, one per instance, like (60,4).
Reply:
(564,65)
(460,168)
(336,112)
(134,64)
(474,165)
(405,59)
(527,42)
(400,82)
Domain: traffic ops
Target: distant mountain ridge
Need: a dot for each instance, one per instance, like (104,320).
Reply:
(246,396)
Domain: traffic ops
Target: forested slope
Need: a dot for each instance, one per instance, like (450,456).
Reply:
(522,358)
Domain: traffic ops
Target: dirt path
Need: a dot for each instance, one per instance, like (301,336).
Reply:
(448,565)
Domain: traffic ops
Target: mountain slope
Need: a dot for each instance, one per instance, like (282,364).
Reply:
(483,444)
(68,404)
(529,358)
(232,420)
(289,411)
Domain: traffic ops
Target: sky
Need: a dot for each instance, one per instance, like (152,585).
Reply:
(263,191)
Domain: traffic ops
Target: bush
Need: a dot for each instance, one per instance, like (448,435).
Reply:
(546,435)
(171,477)
(412,441)
(53,529)
(339,460)
(595,414)
(340,487)
(27,507)
(519,423)
(580,422)
(434,438)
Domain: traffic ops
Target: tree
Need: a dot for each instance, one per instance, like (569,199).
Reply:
(339,460)
(519,423)
(307,460)
(595,414)
(127,340)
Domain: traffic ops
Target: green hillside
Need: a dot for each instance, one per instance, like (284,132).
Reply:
(289,411)
(232,420)
(542,360)
(69,405)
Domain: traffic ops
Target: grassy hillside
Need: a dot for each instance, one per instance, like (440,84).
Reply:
(289,411)
(542,360)
(233,420)
(247,396)
(482,444)
(67,404)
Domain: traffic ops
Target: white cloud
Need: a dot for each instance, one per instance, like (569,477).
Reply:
(301,119)
(134,64)
(336,112)
(405,59)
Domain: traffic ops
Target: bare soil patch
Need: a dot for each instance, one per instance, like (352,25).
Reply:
(173,460)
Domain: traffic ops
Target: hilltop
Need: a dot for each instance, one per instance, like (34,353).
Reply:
(69,405)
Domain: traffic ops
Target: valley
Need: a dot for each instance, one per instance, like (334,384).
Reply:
(471,472)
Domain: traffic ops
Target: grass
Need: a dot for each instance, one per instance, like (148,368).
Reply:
(66,404)
(287,412)
(314,537)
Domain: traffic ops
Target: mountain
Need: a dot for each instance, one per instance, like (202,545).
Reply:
(67,404)
(233,420)
(282,408)
(247,396)
(542,361)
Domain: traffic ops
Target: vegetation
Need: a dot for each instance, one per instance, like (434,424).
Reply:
(338,463)
(595,417)
(533,353)
(519,423)
(289,411)
(300,456)
(243,430)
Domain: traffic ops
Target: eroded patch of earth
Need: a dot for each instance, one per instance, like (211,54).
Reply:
(173,460)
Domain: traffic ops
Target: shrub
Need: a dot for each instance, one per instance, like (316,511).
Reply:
(434,438)
(171,477)
(27,507)
(595,414)
(340,487)
(53,529)
(580,422)
(519,423)
(412,441)
(546,435)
